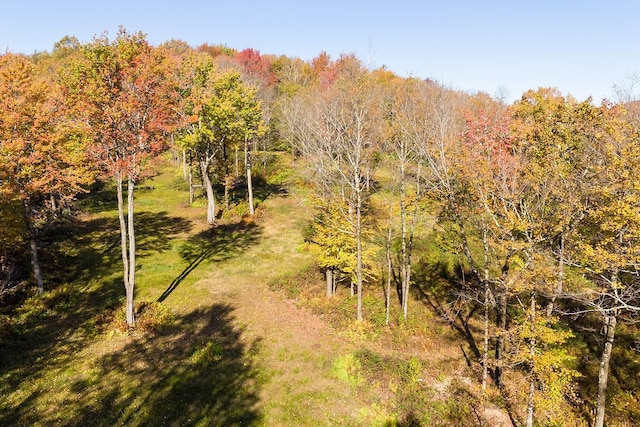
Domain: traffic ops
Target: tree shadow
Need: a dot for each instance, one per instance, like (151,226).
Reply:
(83,278)
(214,245)
(262,190)
(81,250)
(623,381)
(195,371)
(101,197)
(439,290)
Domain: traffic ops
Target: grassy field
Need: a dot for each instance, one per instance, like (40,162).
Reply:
(233,328)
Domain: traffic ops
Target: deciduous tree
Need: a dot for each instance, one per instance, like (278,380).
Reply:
(123,91)
(39,155)
(338,126)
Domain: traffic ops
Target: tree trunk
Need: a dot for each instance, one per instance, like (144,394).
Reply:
(211,200)
(227,185)
(54,205)
(246,154)
(237,169)
(358,233)
(191,191)
(560,283)
(409,249)
(532,352)
(603,373)
(132,252)
(502,320)
(368,178)
(389,267)
(403,241)
(329,276)
(502,329)
(485,338)
(123,239)
(33,247)
(250,187)
(184,163)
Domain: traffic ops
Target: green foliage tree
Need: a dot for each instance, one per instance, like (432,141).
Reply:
(222,111)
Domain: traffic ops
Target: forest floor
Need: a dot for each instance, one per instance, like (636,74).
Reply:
(220,340)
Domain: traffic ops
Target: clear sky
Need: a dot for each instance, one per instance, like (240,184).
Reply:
(582,47)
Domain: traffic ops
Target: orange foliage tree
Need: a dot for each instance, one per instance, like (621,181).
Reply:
(40,158)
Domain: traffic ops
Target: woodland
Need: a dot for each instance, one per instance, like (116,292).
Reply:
(207,236)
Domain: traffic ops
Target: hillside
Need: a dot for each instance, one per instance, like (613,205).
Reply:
(226,346)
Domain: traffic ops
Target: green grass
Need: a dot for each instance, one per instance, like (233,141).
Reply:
(232,325)
(199,354)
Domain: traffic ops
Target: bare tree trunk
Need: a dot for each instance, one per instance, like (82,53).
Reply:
(33,247)
(250,187)
(532,352)
(503,302)
(358,233)
(211,200)
(237,169)
(389,267)
(329,276)
(412,228)
(132,252)
(184,163)
(560,284)
(368,178)
(191,191)
(246,154)
(502,329)
(603,373)
(123,239)
(418,178)
(485,338)
(403,241)
(228,180)
(54,205)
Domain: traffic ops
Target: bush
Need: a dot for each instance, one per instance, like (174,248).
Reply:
(348,369)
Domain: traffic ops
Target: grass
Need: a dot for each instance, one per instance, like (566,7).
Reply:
(233,327)
(205,351)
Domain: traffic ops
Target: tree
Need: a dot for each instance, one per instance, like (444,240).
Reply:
(607,242)
(338,126)
(122,90)
(222,111)
(39,155)
(405,160)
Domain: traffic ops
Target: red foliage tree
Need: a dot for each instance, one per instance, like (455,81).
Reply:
(123,90)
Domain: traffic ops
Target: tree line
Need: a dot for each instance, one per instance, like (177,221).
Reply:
(535,205)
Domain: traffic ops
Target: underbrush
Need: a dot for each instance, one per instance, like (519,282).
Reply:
(393,362)
(150,317)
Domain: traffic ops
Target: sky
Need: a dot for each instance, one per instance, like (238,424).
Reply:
(504,48)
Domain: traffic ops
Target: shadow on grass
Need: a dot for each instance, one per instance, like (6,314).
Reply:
(83,278)
(196,371)
(82,250)
(262,190)
(217,244)
(623,381)
(439,286)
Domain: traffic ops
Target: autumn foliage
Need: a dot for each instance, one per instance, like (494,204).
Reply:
(535,206)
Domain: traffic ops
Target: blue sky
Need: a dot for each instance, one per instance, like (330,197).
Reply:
(581,47)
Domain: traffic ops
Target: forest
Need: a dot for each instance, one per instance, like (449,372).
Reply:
(208,236)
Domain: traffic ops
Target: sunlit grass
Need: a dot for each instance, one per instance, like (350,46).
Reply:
(197,356)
